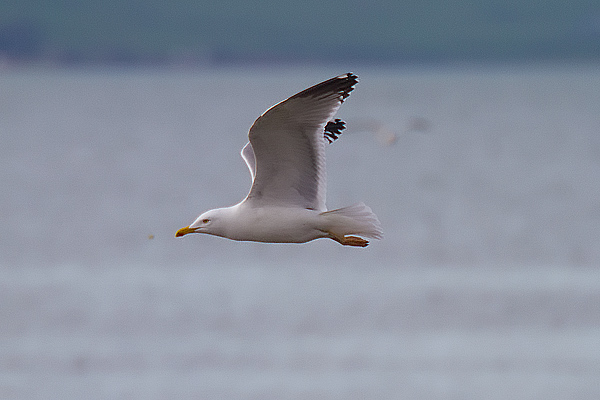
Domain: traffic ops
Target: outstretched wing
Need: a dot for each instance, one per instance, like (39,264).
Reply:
(332,132)
(286,154)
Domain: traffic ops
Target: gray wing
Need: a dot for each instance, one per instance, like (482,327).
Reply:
(332,132)
(287,146)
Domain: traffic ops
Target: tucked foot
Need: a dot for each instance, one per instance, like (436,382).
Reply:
(350,241)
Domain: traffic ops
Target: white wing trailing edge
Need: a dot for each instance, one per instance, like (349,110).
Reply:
(248,156)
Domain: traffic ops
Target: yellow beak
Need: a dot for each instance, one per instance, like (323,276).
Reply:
(184,231)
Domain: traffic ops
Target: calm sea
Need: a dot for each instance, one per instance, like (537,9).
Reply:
(486,285)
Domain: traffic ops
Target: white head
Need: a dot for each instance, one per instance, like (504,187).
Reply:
(211,222)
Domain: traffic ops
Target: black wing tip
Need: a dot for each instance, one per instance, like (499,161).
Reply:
(340,86)
(334,129)
(352,80)
(351,76)
(346,84)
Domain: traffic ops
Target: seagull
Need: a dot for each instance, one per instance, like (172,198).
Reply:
(286,159)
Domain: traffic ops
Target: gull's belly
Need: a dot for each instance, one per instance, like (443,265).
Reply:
(277,225)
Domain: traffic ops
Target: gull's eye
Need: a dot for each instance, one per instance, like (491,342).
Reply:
(205,221)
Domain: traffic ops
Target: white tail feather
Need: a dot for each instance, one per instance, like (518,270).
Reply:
(357,219)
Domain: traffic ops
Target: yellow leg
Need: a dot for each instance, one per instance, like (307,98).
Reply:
(350,240)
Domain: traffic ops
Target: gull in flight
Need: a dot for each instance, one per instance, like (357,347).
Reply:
(286,159)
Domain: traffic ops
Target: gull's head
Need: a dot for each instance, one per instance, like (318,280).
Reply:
(209,222)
